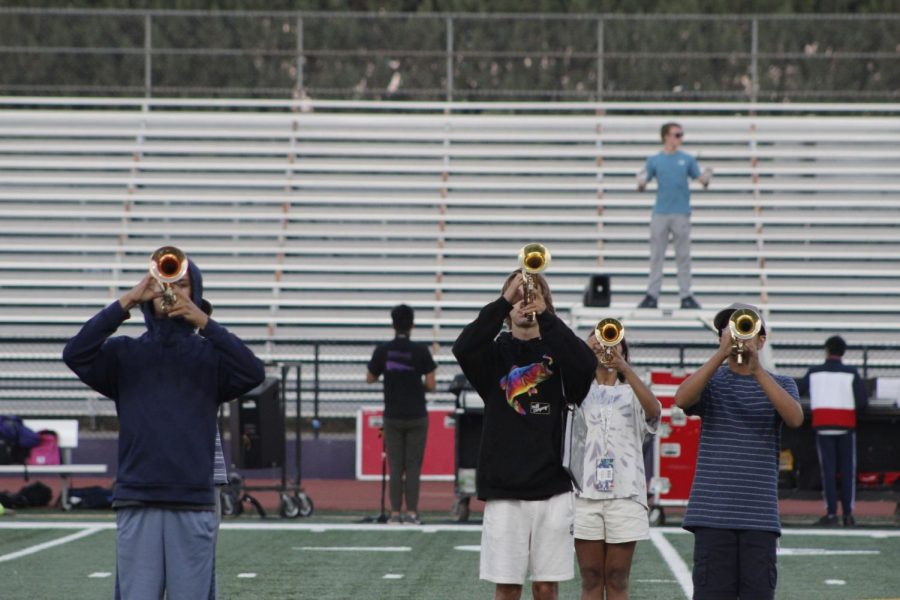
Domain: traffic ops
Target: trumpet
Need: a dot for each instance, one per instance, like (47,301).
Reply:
(743,324)
(609,332)
(168,264)
(533,258)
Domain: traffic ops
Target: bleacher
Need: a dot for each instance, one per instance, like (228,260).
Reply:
(310,220)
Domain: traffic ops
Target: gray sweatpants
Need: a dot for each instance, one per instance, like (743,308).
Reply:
(661,226)
(404,440)
(164,551)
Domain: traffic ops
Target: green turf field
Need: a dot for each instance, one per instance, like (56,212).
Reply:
(334,558)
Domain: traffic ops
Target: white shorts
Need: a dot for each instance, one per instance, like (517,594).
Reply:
(523,535)
(617,521)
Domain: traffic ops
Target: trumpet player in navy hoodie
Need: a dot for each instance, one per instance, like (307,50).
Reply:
(167,384)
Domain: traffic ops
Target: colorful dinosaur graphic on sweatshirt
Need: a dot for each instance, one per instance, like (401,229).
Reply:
(524,380)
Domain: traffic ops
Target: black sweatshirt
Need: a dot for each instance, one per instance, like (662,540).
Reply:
(521,383)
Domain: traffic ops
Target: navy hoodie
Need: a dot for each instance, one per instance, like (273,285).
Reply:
(167,385)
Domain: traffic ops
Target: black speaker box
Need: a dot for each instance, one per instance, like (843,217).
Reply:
(597,292)
(257,427)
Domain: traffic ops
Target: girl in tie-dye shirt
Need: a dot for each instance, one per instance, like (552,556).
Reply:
(611,509)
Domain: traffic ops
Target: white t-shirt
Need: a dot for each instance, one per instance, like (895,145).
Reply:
(616,428)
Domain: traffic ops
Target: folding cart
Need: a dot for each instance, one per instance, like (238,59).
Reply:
(294,502)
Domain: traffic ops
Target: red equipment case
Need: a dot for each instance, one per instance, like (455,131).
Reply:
(674,449)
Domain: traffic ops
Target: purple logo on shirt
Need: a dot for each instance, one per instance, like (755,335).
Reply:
(398,361)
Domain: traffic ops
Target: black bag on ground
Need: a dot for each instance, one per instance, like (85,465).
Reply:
(90,497)
(33,495)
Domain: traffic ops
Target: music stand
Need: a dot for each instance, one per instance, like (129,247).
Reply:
(381,517)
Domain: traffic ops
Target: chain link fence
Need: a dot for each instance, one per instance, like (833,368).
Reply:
(329,375)
(460,57)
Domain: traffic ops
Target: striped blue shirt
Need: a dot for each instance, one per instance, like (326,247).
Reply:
(736,482)
(220,474)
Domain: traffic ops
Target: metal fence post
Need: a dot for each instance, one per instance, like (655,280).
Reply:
(865,368)
(299,422)
(148,55)
(600,73)
(449,52)
(316,383)
(754,67)
(300,60)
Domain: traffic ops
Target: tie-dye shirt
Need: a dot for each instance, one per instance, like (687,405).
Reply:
(616,428)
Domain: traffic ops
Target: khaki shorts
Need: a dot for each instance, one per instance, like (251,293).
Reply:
(523,535)
(617,521)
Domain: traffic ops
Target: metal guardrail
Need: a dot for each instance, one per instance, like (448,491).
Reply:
(450,56)
(329,375)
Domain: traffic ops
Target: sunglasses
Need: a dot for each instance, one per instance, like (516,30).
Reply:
(680,134)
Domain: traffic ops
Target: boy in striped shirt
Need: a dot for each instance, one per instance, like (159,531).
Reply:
(733,506)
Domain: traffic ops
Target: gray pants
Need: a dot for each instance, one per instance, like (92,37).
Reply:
(214,590)
(404,440)
(679,226)
(161,551)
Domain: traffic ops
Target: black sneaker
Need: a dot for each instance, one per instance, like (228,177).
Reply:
(648,302)
(689,302)
(849,521)
(827,521)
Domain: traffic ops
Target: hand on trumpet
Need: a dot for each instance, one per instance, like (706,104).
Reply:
(614,361)
(536,306)
(749,349)
(148,289)
(515,295)
(608,357)
(514,292)
(186,309)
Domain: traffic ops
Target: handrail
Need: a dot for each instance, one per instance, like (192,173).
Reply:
(729,108)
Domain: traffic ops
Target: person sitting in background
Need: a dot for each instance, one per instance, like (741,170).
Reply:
(404,364)
(836,392)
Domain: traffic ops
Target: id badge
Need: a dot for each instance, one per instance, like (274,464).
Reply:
(605,473)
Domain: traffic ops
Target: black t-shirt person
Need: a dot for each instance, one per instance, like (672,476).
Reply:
(403,363)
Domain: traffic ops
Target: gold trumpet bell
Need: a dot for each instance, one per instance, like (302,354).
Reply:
(609,332)
(743,324)
(168,264)
(534,258)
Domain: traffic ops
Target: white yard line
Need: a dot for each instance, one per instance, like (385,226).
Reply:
(16,524)
(355,548)
(381,528)
(52,543)
(826,532)
(673,559)
(823,552)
